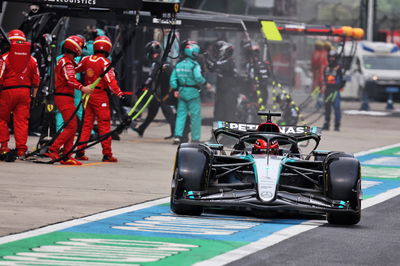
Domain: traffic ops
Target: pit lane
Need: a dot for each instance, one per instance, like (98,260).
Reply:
(34,195)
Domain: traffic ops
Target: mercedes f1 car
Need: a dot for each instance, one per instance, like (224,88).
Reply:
(265,168)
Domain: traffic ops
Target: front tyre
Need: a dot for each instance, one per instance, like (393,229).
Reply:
(177,192)
(347,218)
(344,183)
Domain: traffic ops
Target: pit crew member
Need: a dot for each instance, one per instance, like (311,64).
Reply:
(19,73)
(98,106)
(65,84)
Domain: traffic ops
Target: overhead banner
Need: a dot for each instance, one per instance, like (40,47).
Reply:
(112,4)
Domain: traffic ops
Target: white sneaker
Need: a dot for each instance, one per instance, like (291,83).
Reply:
(177,140)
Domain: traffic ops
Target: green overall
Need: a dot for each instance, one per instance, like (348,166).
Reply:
(186,77)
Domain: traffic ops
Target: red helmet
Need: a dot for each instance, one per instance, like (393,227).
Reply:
(16,35)
(102,43)
(261,146)
(74,44)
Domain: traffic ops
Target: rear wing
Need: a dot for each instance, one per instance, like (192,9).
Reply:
(247,127)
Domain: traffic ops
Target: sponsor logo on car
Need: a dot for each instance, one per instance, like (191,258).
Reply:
(253,127)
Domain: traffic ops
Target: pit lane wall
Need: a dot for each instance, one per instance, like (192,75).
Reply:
(149,234)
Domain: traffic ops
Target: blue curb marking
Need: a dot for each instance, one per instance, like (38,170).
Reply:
(262,228)
(384,186)
(365,158)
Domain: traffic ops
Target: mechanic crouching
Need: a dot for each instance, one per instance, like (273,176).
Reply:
(18,74)
(185,81)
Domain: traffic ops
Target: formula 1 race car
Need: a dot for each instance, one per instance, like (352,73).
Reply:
(265,168)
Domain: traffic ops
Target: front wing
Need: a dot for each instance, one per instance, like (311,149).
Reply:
(284,201)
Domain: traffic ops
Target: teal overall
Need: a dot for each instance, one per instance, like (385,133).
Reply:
(186,78)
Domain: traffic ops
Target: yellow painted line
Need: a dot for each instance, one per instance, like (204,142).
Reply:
(85,164)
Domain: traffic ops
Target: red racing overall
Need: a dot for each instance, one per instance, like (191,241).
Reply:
(18,74)
(98,107)
(65,84)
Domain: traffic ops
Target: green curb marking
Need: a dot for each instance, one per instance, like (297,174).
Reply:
(391,152)
(382,172)
(94,249)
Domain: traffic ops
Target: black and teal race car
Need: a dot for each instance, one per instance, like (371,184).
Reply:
(266,167)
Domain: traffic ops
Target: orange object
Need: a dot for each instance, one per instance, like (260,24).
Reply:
(348,31)
(70,161)
(358,33)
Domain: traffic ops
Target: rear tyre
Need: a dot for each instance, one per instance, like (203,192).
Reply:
(344,183)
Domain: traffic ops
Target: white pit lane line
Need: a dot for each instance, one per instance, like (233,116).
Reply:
(83,220)
(223,258)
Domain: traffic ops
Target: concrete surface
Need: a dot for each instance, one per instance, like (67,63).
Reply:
(34,195)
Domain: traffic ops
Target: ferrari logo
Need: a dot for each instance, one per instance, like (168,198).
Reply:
(50,107)
(176,8)
(90,72)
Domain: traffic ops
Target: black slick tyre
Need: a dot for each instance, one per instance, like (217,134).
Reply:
(344,183)
(177,192)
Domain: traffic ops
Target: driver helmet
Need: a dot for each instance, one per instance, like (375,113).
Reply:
(261,147)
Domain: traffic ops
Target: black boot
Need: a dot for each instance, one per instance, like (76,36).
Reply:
(10,156)
(337,126)
(325,126)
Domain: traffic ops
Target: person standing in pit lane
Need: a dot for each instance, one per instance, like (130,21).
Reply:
(77,93)
(258,73)
(226,88)
(162,93)
(65,84)
(185,81)
(319,61)
(19,73)
(98,106)
(334,82)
